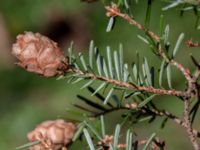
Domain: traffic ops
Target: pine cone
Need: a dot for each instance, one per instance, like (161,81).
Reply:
(53,135)
(37,53)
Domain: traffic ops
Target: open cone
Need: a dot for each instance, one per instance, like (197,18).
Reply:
(37,53)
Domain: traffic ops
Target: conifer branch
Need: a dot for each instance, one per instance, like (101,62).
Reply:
(132,86)
(192,89)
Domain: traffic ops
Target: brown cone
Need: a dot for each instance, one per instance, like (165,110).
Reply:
(37,53)
(53,135)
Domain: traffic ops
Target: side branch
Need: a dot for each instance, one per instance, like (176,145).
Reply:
(157,112)
(132,85)
(177,120)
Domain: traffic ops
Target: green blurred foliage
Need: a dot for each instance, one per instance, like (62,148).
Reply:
(27,99)
(24,15)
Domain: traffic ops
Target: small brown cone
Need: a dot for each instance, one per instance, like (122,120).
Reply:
(53,135)
(37,53)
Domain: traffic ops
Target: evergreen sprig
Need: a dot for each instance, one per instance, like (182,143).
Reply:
(138,81)
(132,90)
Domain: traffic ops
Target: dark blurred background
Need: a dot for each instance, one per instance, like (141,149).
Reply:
(27,99)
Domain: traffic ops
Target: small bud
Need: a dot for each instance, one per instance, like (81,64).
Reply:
(190,43)
(112,10)
(53,135)
(121,146)
(107,140)
(132,105)
(37,53)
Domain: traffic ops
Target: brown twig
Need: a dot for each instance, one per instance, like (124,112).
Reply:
(154,111)
(176,119)
(188,125)
(132,85)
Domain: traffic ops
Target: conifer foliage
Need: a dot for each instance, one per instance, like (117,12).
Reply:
(130,88)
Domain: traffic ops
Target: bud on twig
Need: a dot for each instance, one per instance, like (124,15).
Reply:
(190,43)
(112,10)
(53,135)
(37,53)
(133,105)
(108,140)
